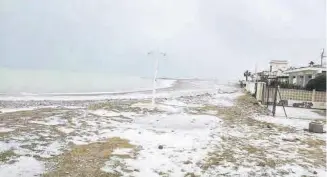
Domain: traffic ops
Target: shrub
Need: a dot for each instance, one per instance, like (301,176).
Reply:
(318,83)
(285,85)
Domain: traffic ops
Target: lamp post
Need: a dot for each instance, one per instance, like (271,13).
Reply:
(322,56)
(156,66)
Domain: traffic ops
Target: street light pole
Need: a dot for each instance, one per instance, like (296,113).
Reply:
(322,56)
(156,67)
(155,80)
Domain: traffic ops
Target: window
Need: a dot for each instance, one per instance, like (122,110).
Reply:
(310,76)
(301,77)
(294,77)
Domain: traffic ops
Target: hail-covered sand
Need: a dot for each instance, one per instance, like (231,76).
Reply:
(224,133)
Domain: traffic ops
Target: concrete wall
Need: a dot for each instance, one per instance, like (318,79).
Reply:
(296,98)
(250,87)
(287,97)
(260,89)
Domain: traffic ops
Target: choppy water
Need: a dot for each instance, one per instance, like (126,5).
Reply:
(26,82)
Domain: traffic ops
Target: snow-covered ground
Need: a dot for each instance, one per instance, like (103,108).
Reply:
(298,118)
(299,113)
(204,133)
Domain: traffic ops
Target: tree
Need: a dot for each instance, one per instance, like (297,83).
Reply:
(318,83)
(311,63)
(247,74)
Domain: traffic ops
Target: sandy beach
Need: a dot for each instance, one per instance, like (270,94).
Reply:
(197,128)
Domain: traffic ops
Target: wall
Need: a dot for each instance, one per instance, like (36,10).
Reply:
(250,87)
(296,98)
(260,89)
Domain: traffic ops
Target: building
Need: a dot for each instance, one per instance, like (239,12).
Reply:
(276,69)
(301,76)
(278,65)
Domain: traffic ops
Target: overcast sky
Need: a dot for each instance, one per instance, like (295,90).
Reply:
(204,38)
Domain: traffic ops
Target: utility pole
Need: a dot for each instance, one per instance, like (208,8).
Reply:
(322,57)
(156,66)
(256,72)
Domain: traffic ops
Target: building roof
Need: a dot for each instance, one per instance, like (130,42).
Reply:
(305,69)
(279,61)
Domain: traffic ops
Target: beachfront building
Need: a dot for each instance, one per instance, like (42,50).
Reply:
(277,68)
(278,65)
(301,76)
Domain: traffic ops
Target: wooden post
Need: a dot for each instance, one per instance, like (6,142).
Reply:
(268,90)
(264,87)
(280,98)
(275,99)
(255,89)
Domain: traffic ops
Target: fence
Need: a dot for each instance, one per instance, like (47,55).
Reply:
(288,97)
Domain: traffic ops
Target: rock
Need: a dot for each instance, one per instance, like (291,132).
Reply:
(269,126)
(261,164)
(316,127)
(290,139)
(160,147)
(314,172)
(187,162)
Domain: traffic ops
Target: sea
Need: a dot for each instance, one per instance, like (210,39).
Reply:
(50,82)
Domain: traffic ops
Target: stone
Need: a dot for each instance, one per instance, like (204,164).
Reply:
(316,127)
(314,172)
(160,147)
(269,126)
(291,139)
(261,164)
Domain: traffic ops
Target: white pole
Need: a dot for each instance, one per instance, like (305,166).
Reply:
(256,71)
(155,80)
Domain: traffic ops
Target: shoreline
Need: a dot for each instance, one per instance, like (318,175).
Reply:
(178,89)
(176,86)
(96,93)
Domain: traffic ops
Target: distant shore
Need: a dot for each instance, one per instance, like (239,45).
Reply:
(83,100)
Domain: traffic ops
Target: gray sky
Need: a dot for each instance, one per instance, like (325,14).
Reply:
(204,38)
